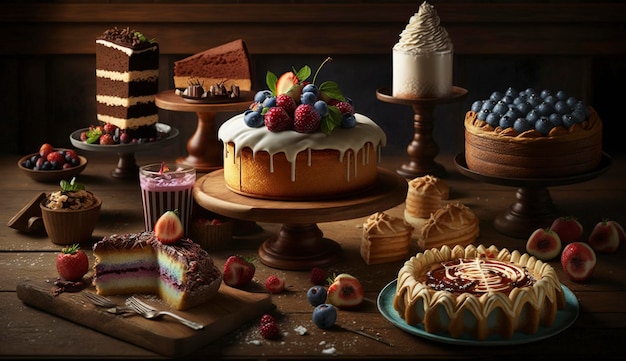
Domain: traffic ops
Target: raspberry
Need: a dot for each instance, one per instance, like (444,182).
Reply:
(287,103)
(345,107)
(267,318)
(270,330)
(106,139)
(318,276)
(276,120)
(306,119)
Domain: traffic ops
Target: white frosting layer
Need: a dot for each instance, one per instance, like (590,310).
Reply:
(124,102)
(291,142)
(129,76)
(129,123)
(126,50)
(423,34)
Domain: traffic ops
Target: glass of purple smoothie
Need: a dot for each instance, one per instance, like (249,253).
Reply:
(166,188)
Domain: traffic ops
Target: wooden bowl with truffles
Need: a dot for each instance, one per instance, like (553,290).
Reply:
(70,214)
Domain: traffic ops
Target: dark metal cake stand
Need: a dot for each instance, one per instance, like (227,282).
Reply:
(300,244)
(126,165)
(423,148)
(534,207)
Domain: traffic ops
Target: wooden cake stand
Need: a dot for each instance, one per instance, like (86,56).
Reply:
(423,148)
(204,148)
(534,207)
(300,244)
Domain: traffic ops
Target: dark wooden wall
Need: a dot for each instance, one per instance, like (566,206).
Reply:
(47,62)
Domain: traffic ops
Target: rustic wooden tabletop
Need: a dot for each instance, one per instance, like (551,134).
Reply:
(29,332)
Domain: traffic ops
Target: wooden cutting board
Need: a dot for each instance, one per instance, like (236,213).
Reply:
(229,309)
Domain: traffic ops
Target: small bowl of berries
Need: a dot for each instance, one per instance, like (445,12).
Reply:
(52,164)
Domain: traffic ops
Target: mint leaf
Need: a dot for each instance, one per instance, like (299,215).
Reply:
(71,186)
(270,80)
(331,121)
(303,74)
(331,90)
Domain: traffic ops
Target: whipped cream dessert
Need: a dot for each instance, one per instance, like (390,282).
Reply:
(422,58)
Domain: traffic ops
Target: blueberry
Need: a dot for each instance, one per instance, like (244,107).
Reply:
(550,99)
(523,107)
(348,121)
(520,99)
(269,102)
(316,295)
(511,92)
(321,107)
(530,91)
(521,125)
(532,116)
(488,104)
(506,122)
(261,95)
(253,119)
(561,107)
(310,88)
(507,99)
(477,105)
(579,116)
(501,108)
(308,98)
(568,120)
(560,95)
(496,95)
(543,125)
(493,119)
(534,100)
(545,109)
(513,113)
(482,114)
(556,119)
(545,93)
(324,316)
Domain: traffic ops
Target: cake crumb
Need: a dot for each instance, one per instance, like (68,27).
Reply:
(254,342)
(329,351)
(300,330)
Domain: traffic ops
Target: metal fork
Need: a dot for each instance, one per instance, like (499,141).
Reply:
(150,313)
(111,306)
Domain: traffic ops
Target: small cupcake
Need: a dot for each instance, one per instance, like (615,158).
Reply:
(70,215)
(212,233)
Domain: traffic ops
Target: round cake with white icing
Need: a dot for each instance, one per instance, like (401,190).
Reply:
(478,292)
(296,166)
(300,140)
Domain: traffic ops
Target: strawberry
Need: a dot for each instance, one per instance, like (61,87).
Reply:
(270,330)
(345,291)
(45,149)
(238,271)
(306,119)
(275,284)
(106,139)
(276,120)
(109,128)
(286,102)
(285,82)
(72,263)
(168,228)
(317,276)
(56,158)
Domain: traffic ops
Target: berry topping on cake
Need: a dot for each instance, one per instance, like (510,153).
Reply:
(309,107)
(168,228)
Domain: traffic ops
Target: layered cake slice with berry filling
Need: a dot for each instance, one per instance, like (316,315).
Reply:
(300,140)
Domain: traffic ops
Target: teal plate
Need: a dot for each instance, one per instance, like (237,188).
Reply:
(564,319)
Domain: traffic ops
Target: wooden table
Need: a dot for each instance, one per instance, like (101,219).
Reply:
(31,333)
